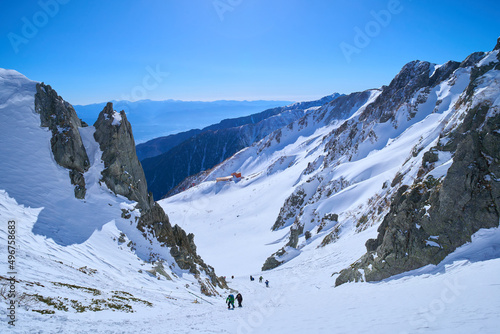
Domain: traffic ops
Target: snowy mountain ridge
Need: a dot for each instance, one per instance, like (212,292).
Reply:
(345,161)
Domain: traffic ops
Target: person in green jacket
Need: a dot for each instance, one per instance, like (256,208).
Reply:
(230,301)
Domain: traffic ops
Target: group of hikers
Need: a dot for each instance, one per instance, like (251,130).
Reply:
(260,280)
(239,297)
(230,300)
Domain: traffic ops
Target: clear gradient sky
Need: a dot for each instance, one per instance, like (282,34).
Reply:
(94,51)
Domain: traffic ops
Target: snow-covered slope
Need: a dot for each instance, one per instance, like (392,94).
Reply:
(314,192)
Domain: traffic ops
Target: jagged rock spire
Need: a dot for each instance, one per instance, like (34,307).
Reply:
(123,173)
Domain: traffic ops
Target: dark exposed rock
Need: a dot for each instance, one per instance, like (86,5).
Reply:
(443,73)
(182,247)
(472,59)
(397,179)
(272,262)
(331,237)
(78,181)
(290,209)
(412,77)
(478,71)
(497,46)
(66,142)
(342,106)
(430,157)
(296,230)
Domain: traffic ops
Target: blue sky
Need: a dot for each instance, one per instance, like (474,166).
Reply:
(94,51)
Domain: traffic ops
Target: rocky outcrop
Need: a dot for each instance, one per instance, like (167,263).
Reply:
(290,209)
(430,219)
(273,261)
(66,142)
(413,77)
(123,174)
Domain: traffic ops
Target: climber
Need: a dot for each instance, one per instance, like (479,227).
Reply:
(260,279)
(239,298)
(251,278)
(267,283)
(230,301)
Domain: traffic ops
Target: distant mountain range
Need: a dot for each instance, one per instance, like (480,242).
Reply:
(174,158)
(151,119)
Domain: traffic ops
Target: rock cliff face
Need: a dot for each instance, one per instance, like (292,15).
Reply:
(123,174)
(431,218)
(66,142)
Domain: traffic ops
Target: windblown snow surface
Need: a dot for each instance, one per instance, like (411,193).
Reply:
(84,260)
